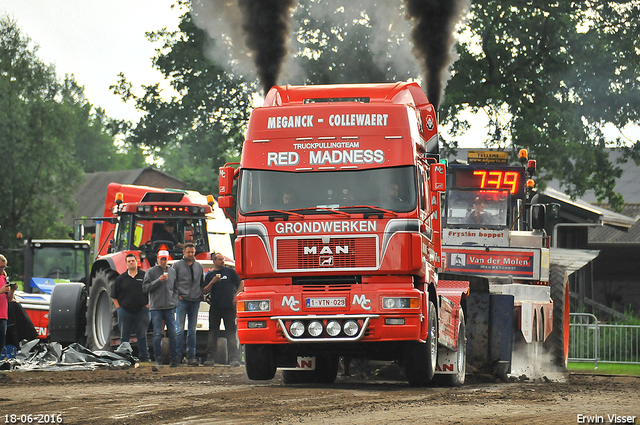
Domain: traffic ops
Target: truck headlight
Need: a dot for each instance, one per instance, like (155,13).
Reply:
(315,328)
(260,305)
(333,328)
(296,329)
(400,302)
(350,327)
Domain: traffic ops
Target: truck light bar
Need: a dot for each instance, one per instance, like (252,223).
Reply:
(170,209)
(338,328)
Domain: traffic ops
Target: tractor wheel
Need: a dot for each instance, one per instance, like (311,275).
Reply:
(102,318)
(260,362)
(68,313)
(420,358)
(457,379)
(557,342)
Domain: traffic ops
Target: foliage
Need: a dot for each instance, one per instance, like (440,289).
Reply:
(50,135)
(549,75)
(342,44)
(37,141)
(202,125)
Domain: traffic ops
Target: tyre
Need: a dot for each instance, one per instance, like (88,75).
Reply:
(260,362)
(102,319)
(557,343)
(457,379)
(420,358)
(326,369)
(297,376)
(68,313)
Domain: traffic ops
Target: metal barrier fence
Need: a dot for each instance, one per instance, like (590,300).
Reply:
(592,341)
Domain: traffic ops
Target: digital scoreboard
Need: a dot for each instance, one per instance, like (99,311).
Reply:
(489,177)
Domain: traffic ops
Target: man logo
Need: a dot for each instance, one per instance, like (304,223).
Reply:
(311,250)
(326,260)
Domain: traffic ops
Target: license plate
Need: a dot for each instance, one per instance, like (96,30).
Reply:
(326,302)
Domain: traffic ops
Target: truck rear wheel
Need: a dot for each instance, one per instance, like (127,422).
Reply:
(557,343)
(421,358)
(102,318)
(260,362)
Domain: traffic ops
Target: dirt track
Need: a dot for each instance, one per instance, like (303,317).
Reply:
(224,395)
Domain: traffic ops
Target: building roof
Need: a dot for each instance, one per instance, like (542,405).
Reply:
(579,211)
(628,184)
(91,195)
(606,235)
(572,259)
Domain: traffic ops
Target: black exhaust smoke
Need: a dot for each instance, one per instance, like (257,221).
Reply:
(434,39)
(266,25)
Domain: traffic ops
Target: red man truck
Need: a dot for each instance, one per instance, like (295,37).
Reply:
(339,238)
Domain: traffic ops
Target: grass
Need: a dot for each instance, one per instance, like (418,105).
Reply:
(605,368)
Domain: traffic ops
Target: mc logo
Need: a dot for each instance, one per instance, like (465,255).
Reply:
(291,302)
(362,301)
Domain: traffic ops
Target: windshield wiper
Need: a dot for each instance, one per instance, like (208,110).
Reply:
(270,213)
(370,207)
(331,210)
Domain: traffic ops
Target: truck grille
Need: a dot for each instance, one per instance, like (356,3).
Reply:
(338,253)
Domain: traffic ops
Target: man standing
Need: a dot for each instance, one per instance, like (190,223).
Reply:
(159,283)
(223,283)
(189,283)
(132,305)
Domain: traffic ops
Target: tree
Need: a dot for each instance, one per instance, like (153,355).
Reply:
(550,75)
(202,126)
(94,145)
(344,43)
(50,134)
(38,166)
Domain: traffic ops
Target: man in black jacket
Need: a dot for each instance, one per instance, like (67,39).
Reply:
(223,283)
(133,306)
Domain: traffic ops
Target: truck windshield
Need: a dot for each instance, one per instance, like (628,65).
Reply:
(151,232)
(389,188)
(475,209)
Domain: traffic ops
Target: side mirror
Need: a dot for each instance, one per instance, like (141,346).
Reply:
(78,232)
(553,213)
(437,177)
(537,215)
(225,181)
(225,201)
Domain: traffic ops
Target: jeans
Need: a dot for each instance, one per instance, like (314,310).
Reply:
(229,317)
(137,323)
(3,333)
(188,309)
(169,318)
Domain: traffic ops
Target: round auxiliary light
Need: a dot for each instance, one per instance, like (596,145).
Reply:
(389,303)
(296,329)
(350,328)
(315,328)
(333,328)
(263,306)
